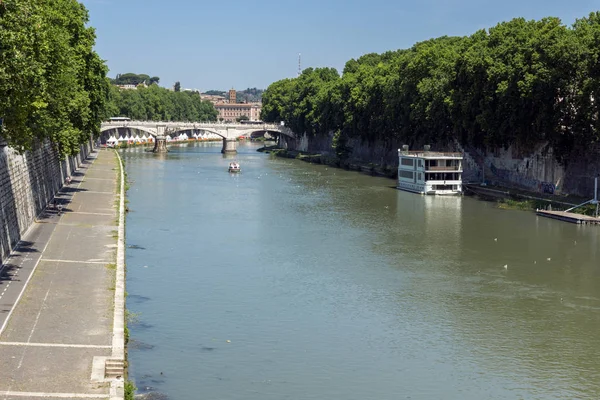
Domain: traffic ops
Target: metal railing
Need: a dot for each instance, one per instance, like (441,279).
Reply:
(444,168)
(421,153)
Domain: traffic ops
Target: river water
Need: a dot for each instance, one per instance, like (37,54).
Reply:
(299,281)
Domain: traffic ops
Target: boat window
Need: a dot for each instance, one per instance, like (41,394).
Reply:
(408,161)
(406,174)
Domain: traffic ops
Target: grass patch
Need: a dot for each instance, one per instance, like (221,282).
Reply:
(131,317)
(111,266)
(523,205)
(588,209)
(129,390)
(532,205)
(126,335)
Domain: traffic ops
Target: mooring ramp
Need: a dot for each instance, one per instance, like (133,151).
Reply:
(574,218)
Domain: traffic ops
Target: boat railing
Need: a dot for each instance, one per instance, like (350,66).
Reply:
(444,168)
(431,154)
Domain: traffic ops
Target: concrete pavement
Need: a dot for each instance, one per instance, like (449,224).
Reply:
(57,295)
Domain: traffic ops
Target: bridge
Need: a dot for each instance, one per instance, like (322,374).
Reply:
(228,131)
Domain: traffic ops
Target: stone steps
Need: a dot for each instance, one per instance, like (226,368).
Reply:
(114,368)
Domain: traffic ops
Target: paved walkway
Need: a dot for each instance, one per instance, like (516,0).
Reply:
(57,293)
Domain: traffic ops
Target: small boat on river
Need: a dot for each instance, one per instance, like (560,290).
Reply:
(234,167)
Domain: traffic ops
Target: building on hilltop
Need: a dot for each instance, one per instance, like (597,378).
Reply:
(131,86)
(213,98)
(127,87)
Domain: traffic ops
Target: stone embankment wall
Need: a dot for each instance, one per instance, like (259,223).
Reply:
(536,170)
(384,154)
(583,167)
(28,182)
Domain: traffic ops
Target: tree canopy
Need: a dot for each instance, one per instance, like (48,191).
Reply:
(155,103)
(519,82)
(215,92)
(52,84)
(134,79)
(249,95)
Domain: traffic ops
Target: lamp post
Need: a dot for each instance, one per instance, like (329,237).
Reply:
(595,201)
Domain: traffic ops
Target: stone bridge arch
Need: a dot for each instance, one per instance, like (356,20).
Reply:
(191,128)
(229,132)
(151,131)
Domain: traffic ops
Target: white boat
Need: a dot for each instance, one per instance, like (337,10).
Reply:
(430,172)
(234,167)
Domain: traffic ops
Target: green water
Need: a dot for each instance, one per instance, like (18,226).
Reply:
(298,281)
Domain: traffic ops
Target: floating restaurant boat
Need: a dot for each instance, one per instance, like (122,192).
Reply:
(234,167)
(429,172)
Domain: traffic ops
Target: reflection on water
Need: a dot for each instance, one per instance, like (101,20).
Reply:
(300,281)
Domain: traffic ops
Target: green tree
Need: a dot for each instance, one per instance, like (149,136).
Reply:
(52,84)
(160,104)
(177,87)
(518,83)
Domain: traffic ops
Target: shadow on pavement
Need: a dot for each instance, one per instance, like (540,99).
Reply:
(26,247)
(8,272)
(67,189)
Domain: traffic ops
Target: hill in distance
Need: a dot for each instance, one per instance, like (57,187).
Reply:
(250,95)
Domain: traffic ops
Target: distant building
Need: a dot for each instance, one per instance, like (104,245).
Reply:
(131,86)
(232,96)
(230,112)
(212,98)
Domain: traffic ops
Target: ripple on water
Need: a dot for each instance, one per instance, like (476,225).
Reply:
(135,344)
(134,298)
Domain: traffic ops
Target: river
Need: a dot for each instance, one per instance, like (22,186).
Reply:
(299,281)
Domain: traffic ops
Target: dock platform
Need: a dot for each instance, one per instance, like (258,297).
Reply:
(579,219)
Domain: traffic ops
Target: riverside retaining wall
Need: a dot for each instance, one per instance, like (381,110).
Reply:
(28,182)
(382,153)
(534,169)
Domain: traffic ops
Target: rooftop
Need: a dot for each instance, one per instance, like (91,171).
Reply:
(249,105)
(429,154)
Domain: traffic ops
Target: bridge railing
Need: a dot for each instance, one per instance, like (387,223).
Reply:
(153,124)
(216,126)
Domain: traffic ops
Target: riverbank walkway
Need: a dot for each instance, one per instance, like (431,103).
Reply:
(58,292)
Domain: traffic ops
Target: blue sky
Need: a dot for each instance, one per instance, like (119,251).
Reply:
(232,43)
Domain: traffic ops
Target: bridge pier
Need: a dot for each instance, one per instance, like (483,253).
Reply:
(160,145)
(229,146)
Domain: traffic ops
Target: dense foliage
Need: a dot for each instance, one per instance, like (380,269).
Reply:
(519,82)
(155,103)
(52,84)
(249,95)
(134,79)
(214,92)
